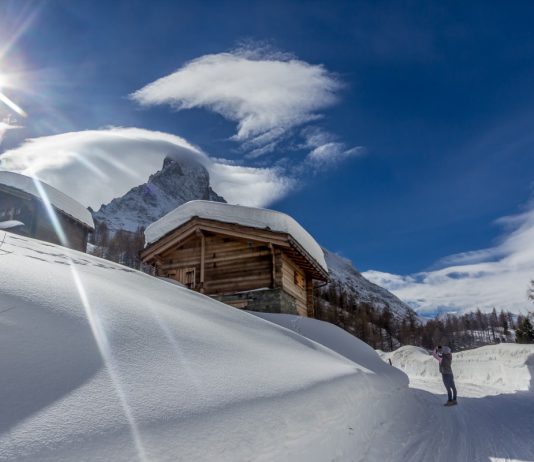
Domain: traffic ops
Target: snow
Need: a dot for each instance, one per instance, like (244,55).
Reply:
(336,339)
(100,362)
(10,224)
(56,198)
(245,216)
(495,369)
(96,356)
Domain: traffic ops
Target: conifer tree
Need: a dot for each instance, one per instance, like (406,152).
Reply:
(525,331)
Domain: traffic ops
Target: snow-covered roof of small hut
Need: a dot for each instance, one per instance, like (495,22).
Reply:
(57,199)
(238,214)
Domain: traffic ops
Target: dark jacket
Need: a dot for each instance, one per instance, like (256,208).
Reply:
(445,364)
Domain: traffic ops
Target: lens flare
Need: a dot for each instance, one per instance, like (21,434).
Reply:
(96,326)
(12,105)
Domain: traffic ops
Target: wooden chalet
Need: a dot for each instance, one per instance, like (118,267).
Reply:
(250,258)
(21,200)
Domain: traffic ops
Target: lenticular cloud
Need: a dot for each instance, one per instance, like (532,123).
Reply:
(266,95)
(95,166)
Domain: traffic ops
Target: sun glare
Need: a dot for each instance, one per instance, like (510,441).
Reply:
(5,83)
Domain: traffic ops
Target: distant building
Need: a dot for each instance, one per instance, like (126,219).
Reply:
(250,258)
(42,210)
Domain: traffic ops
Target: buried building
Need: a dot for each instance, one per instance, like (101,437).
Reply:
(250,258)
(35,209)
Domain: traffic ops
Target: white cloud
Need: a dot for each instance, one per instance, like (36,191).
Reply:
(325,149)
(267,95)
(4,127)
(248,185)
(332,153)
(496,277)
(94,166)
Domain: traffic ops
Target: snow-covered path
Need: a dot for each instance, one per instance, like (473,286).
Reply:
(487,425)
(494,421)
(491,428)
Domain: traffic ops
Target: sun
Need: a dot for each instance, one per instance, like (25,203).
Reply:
(4,82)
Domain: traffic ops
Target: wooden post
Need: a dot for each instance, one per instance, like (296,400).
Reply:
(202,259)
(273,266)
(278,282)
(157,265)
(309,297)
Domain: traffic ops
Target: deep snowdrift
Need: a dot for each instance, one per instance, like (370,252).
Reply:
(495,369)
(100,362)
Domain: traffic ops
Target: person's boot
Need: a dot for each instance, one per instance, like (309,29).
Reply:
(454,402)
(449,402)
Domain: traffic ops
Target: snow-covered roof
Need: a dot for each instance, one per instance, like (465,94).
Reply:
(58,199)
(238,214)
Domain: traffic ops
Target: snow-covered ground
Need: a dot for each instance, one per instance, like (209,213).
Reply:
(494,419)
(488,370)
(100,362)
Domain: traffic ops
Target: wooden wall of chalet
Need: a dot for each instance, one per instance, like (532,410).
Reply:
(234,265)
(231,265)
(75,233)
(15,205)
(294,283)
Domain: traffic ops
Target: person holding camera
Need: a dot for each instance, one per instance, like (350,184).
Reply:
(444,357)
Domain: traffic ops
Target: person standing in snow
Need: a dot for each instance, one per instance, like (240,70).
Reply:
(444,357)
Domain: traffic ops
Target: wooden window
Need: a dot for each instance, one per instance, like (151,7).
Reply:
(186,276)
(298,279)
(189,278)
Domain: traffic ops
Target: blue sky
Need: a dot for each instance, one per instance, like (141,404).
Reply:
(430,118)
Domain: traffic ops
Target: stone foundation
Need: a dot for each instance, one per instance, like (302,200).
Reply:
(263,300)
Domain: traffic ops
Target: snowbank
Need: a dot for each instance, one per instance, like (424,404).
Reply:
(9,224)
(57,199)
(337,340)
(246,216)
(100,362)
(503,368)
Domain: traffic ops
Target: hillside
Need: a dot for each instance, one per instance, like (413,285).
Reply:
(343,273)
(113,364)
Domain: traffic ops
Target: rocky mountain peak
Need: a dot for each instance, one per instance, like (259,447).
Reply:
(178,182)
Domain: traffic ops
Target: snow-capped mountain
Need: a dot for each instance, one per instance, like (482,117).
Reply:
(175,184)
(353,283)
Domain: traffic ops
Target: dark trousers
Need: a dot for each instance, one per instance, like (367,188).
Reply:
(448,381)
